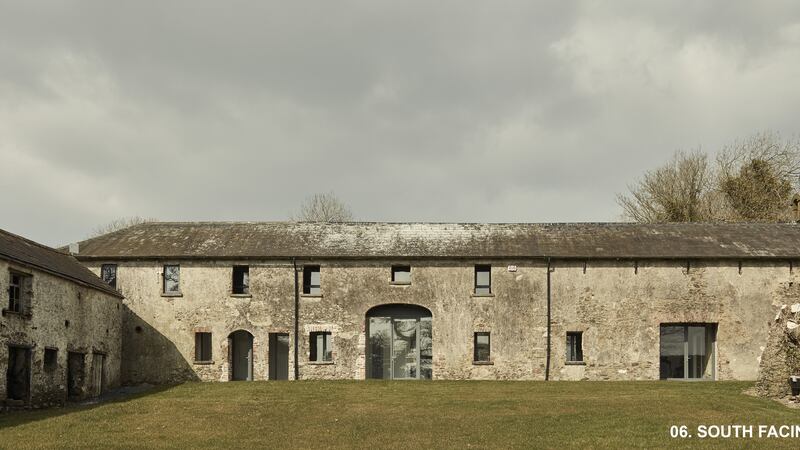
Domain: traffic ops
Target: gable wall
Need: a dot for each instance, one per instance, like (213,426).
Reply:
(94,326)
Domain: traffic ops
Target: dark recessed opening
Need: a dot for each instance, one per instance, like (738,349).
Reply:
(66,323)
(138,329)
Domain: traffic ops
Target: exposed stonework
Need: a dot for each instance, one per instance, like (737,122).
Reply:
(66,317)
(623,286)
(781,358)
(617,305)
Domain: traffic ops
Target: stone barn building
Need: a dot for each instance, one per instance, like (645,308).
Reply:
(60,329)
(257,301)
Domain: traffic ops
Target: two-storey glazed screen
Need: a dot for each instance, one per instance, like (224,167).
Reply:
(400,342)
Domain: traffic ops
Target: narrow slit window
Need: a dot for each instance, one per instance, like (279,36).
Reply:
(311,280)
(401,274)
(241,279)
(483,280)
(172,279)
(321,350)
(108,272)
(202,347)
(482,347)
(574,346)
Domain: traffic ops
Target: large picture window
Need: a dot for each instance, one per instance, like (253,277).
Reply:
(687,351)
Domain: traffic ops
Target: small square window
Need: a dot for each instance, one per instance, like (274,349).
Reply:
(401,274)
(483,280)
(172,279)
(482,347)
(321,350)
(574,346)
(311,280)
(241,279)
(108,272)
(50,359)
(202,347)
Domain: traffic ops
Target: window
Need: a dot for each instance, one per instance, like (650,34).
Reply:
(19,292)
(401,274)
(574,346)
(172,278)
(108,272)
(311,280)
(321,346)
(241,279)
(50,359)
(687,351)
(482,347)
(483,280)
(202,347)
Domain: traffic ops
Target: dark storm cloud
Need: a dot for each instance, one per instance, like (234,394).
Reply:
(447,111)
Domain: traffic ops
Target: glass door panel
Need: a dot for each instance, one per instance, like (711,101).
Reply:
(672,352)
(404,349)
(425,348)
(380,347)
(696,354)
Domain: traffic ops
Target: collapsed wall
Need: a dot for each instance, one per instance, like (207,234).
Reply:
(781,357)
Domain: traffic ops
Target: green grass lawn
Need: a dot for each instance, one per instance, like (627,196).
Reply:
(408,415)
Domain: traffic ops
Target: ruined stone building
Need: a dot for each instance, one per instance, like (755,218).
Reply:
(60,329)
(256,301)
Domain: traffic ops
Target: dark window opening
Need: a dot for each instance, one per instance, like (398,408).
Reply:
(574,346)
(311,280)
(483,279)
(241,279)
(75,374)
(50,359)
(482,347)
(321,346)
(401,274)
(108,272)
(202,347)
(172,278)
(19,373)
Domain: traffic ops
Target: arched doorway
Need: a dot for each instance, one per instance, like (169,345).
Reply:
(399,342)
(240,345)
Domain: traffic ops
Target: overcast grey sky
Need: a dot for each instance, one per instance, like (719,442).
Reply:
(410,111)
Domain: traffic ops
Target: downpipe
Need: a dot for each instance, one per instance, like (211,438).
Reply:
(549,283)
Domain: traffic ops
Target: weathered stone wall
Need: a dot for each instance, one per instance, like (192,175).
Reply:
(781,359)
(158,337)
(620,305)
(617,305)
(63,316)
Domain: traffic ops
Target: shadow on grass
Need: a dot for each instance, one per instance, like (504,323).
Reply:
(21,417)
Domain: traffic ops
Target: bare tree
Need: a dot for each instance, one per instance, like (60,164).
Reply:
(757,177)
(323,208)
(753,181)
(119,224)
(677,192)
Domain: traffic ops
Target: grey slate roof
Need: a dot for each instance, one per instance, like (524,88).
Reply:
(265,240)
(31,254)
